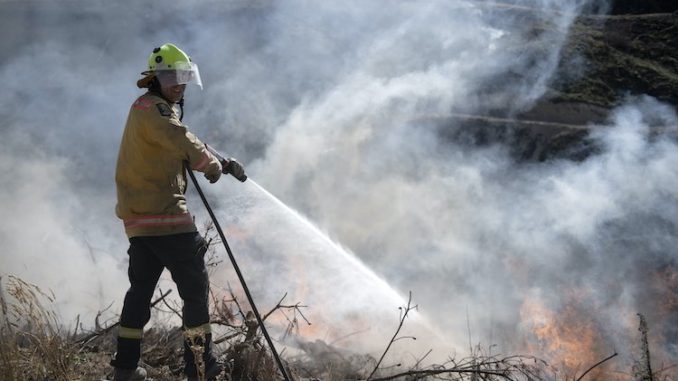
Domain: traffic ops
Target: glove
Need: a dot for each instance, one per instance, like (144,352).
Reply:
(236,169)
(213,173)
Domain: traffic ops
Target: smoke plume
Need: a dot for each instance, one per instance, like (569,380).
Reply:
(329,105)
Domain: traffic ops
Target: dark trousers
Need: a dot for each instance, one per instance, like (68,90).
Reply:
(183,256)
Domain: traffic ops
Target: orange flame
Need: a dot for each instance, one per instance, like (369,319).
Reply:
(566,338)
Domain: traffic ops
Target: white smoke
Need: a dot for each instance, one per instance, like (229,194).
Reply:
(328,104)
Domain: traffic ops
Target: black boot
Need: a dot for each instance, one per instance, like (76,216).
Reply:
(127,354)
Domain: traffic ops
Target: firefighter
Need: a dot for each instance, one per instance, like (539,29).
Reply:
(151,183)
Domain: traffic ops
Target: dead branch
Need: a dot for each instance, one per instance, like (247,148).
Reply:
(211,237)
(251,325)
(479,367)
(395,336)
(296,307)
(221,312)
(75,330)
(227,337)
(97,325)
(433,372)
(657,373)
(173,309)
(235,301)
(274,308)
(347,336)
(85,340)
(416,365)
(595,365)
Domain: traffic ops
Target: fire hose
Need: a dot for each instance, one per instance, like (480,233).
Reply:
(227,169)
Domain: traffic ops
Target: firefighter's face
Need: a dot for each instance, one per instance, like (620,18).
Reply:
(173,93)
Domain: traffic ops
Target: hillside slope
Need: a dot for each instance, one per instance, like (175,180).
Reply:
(609,58)
(605,62)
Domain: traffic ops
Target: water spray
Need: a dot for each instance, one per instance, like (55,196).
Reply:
(351,259)
(227,169)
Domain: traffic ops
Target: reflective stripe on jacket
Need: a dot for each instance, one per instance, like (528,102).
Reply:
(150,176)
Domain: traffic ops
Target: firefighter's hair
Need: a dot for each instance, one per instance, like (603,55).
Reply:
(154,85)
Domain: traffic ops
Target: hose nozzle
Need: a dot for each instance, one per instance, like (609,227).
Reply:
(229,166)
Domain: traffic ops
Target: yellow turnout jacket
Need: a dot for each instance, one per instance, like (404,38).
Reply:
(150,176)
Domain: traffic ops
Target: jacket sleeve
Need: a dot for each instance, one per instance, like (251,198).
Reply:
(168,132)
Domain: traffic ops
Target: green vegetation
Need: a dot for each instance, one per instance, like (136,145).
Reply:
(607,59)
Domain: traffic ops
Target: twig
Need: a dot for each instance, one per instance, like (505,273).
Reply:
(480,368)
(296,307)
(75,330)
(433,372)
(227,337)
(173,309)
(274,308)
(395,336)
(97,325)
(347,336)
(595,365)
(664,369)
(224,323)
(93,335)
(422,358)
(235,301)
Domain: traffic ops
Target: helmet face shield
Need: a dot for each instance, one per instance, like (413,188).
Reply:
(178,73)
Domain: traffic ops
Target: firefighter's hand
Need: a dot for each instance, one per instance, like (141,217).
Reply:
(213,173)
(234,168)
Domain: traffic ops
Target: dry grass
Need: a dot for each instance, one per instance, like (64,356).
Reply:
(32,344)
(35,347)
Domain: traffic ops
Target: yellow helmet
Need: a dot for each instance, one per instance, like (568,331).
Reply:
(172,66)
